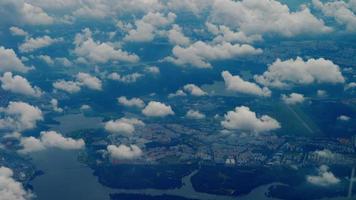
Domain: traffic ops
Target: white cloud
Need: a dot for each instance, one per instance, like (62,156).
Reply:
(50,139)
(10,61)
(18,84)
(325,153)
(149,26)
(129,78)
(324,177)
(178,93)
(124,126)
(176,36)
(293,98)
(321,93)
(282,74)
(123,152)
(243,119)
(20,116)
(64,61)
(17,31)
(67,86)
(33,44)
(157,109)
(237,84)
(152,70)
(343,118)
(89,81)
(194,90)
(200,53)
(133,102)
(341,11)
(194,114)
(54,104)
(98,52)
(10,189)
(47,59)
(266,17)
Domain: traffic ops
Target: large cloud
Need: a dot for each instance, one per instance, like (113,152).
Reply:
(50,139)
(266,16)
(10,189)
(237,84)
(282,74)
(124,152)
(243,119)
(125,126)
(157,109)
(98,52)
(18,84)
(199,54)
(20,116)
(324,178)
(10,61)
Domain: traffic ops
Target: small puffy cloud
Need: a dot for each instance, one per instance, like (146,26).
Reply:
(33,44)
(20,116)
(98,52)
(85,107)
(194,114)
(55,107)
(266,17)
(47,59)
(123,152)
(129,78)
(243,119)
(89,81)
(199,54)
(10,61)
(194,90)
(17,31)
(321,93)
(341,11)
(124,126)
(67,86)
(324,178)
(10,189)
(343,118)
(64,61)
(147,27)
(157,109)
(50,139)
(176,36)
(152,70)
(133,102)
(350,86)
(293,98)
(325,153)
(18,84)
(282,74)
(178,93)
(237,84)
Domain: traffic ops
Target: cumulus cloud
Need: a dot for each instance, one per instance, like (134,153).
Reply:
(67,86)
(282,74)
(32,44)
(266,17)
(55,107)
(89,81)
(98,52)
(18,84)
(123,152)
(149,26)
(133,102)
(176,36)
(243,119)
(324,178)
(199,54)
(129,78)
(343,118)
(152,70)
(47,59)
(194,114)
(20,116)
(17,31)
(50,139)
(341,11)
(237,84)
(157,109)
(178,93)
(194,90)
(10,61)
(325,153)
(10,189)
(293,98)
(124,126)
